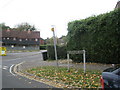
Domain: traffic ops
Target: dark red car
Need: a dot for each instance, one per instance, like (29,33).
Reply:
(111,78)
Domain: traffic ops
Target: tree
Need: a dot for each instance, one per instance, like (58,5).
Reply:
(49,41)
(4,27)
(62,40)
(25,27)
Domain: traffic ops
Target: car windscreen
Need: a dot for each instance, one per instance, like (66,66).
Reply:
(112,68)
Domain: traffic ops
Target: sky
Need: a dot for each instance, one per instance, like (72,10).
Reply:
(45,13)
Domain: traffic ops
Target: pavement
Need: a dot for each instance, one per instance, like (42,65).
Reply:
(93,66)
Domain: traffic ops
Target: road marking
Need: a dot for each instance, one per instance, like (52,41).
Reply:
(5,67)
(10,70)
(0,66)
(29,82)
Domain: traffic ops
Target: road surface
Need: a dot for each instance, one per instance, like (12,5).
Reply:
(10,79)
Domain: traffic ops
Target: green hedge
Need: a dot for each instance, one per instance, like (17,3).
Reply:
(43,47)
(61,52)
(98,35)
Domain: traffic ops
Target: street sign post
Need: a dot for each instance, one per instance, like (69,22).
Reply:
(76,52)
(68,58)
(52,29)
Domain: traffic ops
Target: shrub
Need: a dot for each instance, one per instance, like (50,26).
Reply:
(43,47)
(61,52)
(98,35)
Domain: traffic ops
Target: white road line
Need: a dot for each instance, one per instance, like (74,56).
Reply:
(5,67)
(10,70)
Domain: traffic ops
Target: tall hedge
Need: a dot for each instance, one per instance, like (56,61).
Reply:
(61,52)
(43,47)
(98,35)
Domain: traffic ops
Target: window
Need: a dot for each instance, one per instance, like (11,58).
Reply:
(14,38)
(117,70)
(20,40)
(36,39)
(8,38)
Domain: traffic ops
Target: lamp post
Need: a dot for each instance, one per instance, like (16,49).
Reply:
(52,29)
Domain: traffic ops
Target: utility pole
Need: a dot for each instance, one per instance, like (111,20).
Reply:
(52,29)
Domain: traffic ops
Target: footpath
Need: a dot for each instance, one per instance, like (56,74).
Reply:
(62,63)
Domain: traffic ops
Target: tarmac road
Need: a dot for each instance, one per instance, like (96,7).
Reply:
(10,79)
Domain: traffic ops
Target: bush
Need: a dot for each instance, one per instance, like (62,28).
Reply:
(98,35)
(43,47)
(61,52)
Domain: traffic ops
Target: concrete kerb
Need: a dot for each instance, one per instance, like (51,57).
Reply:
(17,70)
(17,67)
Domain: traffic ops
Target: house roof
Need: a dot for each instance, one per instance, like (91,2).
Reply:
(20,34)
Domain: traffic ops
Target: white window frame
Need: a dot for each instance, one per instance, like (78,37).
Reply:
(8,38)
(36,39)
(14,38)
(20,40)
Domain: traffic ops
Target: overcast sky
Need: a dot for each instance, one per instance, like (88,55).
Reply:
(44,13)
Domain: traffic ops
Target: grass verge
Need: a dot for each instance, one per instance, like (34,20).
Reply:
(75,78)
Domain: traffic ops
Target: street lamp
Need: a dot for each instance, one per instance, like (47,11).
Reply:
(52,29)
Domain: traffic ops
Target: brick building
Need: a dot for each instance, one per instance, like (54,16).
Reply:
(42,42)
(20,40)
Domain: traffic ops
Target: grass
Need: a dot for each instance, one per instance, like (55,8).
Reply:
(74,78)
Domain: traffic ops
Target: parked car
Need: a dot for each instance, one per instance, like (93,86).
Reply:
(111,78)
